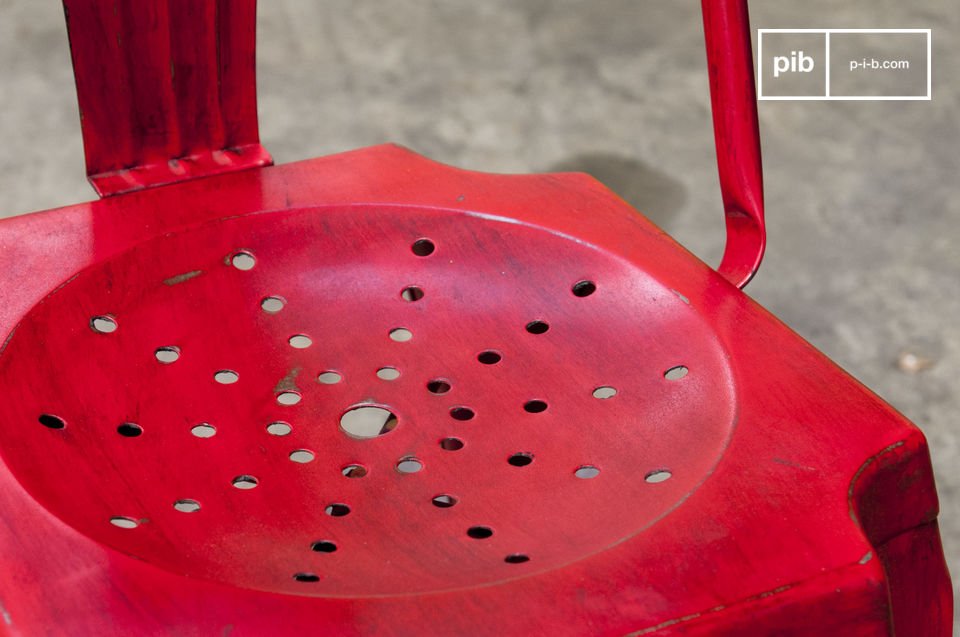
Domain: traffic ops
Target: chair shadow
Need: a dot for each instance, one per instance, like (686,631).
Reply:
(657,195)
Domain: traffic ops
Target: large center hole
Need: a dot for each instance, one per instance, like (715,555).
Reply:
(365,422)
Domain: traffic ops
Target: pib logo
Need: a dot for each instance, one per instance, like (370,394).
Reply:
(796,62)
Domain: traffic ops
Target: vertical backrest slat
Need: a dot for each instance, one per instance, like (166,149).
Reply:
(166,89)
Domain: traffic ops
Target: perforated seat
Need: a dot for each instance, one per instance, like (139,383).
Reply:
(373,394)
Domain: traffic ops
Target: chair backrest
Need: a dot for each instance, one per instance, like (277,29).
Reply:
(167,92)
(166,89)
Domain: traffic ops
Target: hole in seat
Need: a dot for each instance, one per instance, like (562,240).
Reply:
(364,422)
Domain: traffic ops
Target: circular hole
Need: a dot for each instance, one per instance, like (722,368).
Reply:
(444,501)
(245,482)
(288,398)
(187,506)
(337,510)
(676,373)
(462,413)
(226,377)
(243,260)
(538,327)
(279,428)
(586,472)
(329,378)
(51,421)
(204,430)
(516,558)
(129,430)
(411,293)
(303,456)
(535,406)
(354,471)
(520,459)
(660,475)
(272,304)
(479,532)
(401,335)
(451,444)
(124,522)
(168,354)
(300,341)
(103,324)
(388,373)
(306,577)
(489,357)
(604,392)
(323,546)
(409,465)
(438,386)
(423,247)
(584,288)
(366,421)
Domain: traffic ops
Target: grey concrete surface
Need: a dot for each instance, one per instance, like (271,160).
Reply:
(862,197)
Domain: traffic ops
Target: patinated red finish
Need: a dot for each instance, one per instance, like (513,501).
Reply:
(726,30)
(166,89)
(592,432)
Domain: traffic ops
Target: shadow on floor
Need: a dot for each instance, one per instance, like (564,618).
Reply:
(654,193)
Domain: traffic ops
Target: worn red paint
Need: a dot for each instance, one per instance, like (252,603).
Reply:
(737,482)
(166,89)
(726,28)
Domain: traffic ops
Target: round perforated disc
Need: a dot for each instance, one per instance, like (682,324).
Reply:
(193,401)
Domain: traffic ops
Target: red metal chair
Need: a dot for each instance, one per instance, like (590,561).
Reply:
(372,394)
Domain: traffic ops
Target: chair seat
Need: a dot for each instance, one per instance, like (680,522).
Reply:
(372,394)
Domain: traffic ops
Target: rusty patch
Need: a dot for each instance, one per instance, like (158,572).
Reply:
(288,382)
(180,278)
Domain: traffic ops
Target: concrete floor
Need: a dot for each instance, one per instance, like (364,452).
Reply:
(862,197)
